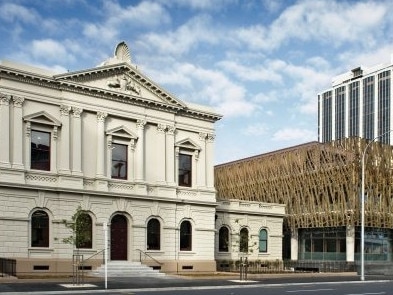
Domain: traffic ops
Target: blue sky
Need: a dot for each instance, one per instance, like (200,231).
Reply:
(260,63)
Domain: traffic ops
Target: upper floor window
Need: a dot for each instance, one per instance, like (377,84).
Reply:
(185,236)
(40,229)
(263,240)
(153,234)
(185,170)
(40,150)
(223,239)
(119,161)
(41,141)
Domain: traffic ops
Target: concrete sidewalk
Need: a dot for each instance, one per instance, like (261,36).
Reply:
(10,286)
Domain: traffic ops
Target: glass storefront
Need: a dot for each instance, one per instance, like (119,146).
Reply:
(377,244)
(329,244)
(322,244)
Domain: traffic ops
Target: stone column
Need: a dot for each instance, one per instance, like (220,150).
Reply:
(170,155)
(209,166)
(131,157)
(53,153)
(77,141)
(161,160)
(17,146)
(65,139)
(294,244)
(350,244)
(194,168)
(202,161)
(100,170)
(28,145)
(5,130)
(140,151)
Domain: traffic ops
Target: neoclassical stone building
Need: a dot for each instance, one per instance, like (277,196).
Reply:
(114,143)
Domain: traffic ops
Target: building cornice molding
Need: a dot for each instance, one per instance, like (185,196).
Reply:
(71,82)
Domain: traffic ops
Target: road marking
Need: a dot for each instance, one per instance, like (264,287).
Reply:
(310,290)
(379,293)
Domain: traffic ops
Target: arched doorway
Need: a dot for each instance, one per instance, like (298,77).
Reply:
(119,237)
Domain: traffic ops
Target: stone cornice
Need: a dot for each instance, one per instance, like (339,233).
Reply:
(69,82)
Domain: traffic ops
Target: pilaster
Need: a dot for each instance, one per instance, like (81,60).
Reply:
(161,151)
(17,146)
(170,155)
(5,130)
(65,140)
(140,151)
(77,141)
(209,166)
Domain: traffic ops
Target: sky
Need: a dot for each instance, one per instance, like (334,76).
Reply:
(259,63)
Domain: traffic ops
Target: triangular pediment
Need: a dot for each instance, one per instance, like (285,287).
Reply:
(42,118)
(123,132)
(188,144)
(121,79)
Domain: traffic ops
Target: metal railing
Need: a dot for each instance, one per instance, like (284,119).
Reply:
(144,254)
(7,267)
(281,266)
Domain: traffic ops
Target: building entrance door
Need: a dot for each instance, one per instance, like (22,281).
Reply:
(119,237)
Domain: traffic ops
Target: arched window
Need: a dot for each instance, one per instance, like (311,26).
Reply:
(185,236)
(243,246)
(263,240)
(40,229)
(153,234)
(223,239)
(84,232)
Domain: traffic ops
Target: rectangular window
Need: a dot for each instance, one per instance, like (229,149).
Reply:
(40,150)
(119,161)
(185,166)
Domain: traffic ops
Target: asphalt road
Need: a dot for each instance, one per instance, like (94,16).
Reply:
(294,284)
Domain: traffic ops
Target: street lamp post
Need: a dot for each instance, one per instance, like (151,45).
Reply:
(362,206)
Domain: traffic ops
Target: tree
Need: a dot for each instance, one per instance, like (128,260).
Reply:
(80,227)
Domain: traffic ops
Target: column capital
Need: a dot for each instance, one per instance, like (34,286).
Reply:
(77,112)
(202,136)
(65,110)
(161,128)
(140,124)
(101,116)
(170,129)
(211,137)
(5,98)
(18,101)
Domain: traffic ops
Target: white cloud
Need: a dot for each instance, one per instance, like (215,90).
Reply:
(251,73)
(183,39)
(51,51)
(16,13)
(325,21)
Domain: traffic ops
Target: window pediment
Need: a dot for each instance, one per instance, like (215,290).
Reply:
(122,132)
(188,144)
(42,118)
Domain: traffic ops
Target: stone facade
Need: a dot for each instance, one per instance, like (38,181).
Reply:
(87,118)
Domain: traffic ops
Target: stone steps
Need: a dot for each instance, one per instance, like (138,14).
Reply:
(126,269)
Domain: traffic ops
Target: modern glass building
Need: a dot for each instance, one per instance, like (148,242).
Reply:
(359,104)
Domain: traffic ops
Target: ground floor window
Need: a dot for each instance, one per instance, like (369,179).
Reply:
(322,243)
(40,229)
(185,236)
